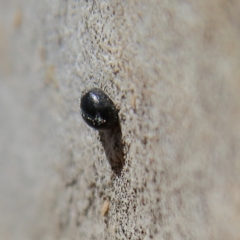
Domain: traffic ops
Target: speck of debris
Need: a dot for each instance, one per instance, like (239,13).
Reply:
(18,18)
(105,208)
(50,78)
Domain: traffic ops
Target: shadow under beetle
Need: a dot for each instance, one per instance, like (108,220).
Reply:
(100,113)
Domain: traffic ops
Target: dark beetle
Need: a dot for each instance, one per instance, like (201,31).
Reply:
(98,110)
(100,113)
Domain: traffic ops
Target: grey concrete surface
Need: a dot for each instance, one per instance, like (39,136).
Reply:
(172,67)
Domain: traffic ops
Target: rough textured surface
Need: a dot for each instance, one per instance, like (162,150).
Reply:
(173,69)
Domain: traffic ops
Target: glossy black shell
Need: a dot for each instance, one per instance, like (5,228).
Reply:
(98,110)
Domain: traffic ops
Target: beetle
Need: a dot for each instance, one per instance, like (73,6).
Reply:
(98,110)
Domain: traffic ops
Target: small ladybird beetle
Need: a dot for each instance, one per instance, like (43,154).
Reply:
(98,110)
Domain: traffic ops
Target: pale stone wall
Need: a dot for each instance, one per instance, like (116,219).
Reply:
(173,69)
